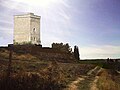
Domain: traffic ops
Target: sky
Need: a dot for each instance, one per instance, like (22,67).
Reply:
(92,25)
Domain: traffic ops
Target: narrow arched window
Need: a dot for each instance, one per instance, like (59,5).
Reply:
(34,30)
(34,39)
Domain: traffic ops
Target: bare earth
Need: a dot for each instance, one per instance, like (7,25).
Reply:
(93,86)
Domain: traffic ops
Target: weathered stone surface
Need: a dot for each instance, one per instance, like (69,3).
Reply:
(27,29)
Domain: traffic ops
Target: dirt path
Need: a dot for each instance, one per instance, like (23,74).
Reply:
(87,82)
(73,85)
(93,85)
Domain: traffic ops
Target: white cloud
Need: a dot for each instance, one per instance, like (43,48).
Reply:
(51,22)
(5,41)
(56,24)
(103,51)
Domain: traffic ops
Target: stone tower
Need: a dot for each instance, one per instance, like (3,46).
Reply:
(27,29)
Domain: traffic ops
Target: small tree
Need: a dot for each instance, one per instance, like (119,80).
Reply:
(76,53)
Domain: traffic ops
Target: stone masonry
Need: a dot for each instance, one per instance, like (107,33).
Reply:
(27,29)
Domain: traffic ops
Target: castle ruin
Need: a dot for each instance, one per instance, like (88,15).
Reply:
(27,29)
(27,40)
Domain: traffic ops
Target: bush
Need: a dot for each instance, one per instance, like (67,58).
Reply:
(51,78)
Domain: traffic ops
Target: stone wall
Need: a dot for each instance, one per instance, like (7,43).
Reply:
(27,28)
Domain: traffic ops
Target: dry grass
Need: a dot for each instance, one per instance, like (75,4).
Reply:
(30,73)
(4,54)
(24,57)
(108,80)
(50,78)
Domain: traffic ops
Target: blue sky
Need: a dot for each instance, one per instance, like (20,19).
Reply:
(93,25)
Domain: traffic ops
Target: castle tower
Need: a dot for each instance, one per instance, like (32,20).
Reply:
(27,29)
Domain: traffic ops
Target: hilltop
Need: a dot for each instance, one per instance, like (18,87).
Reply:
(28,71)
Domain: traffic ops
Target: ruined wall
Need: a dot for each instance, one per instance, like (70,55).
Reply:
(27,29)
(21,29)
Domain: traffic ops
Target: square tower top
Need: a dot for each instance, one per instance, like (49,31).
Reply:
(30,15)
(27,29)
